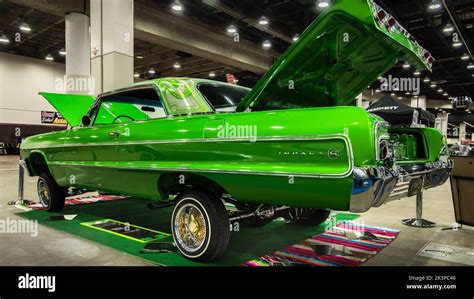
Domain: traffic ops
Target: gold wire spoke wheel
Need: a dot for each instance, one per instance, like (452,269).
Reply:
(191,228)
(43,193)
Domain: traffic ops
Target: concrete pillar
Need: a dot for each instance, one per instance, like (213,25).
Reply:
(462,132)
(359,101)
(442,123)
(78,65)
(419,102)
(112,44)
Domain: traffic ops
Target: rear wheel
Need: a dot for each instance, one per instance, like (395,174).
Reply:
(50,194)
(308,217)
(200,226)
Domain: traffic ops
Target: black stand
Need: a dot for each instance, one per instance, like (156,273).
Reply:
(419,221)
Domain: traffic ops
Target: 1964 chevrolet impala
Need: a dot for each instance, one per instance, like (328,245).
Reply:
(289,147)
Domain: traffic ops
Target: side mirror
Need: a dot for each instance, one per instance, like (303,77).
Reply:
(86,121)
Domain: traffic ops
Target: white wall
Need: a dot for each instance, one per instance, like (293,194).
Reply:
(21,78)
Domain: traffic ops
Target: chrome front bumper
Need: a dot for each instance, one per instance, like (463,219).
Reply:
(373,187)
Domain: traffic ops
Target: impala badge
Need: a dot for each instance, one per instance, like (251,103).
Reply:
(334,154)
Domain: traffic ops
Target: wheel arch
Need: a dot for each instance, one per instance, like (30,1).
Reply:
(37,163)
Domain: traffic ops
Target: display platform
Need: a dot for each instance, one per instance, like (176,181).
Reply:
(246,244)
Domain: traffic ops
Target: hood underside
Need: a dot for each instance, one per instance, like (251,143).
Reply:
(72,107)
(346,49)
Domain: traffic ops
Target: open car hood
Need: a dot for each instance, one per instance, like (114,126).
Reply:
(347,48)
(71,106)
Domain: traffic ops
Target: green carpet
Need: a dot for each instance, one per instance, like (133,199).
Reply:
(245,244)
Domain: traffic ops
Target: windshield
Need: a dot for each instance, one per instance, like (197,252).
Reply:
(223,97)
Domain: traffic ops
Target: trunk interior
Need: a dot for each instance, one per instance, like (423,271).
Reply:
(408,144)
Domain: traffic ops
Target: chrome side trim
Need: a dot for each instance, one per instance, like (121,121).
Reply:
(203,140)
(259,173)
(345,138)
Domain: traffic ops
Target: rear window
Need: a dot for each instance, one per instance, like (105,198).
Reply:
(223,97)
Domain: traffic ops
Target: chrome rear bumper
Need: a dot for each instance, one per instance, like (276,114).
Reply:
(373,187)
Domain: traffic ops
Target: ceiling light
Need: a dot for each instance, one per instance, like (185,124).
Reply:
(177,6)
(296,37)
(267,44)
(457,45)
(426,80)
(392,94)
(400,98)
(407,93)
(445,94)
(25,27)
(448,28)
(176,65)
(406,65)
(377,90)
(139,56)
(434,5)
(232,29)
(136,75)
(416,73)
(62,52)
(49,57)
(465,57)
(263,20)
(433,85)
(323,3)
(151,71)
(440,90)
(470,66)
(212,74)
(4,39)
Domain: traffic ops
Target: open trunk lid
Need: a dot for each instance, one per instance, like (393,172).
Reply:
(71,106)
(342,52)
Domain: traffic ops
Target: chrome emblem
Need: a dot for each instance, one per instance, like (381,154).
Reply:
(334,154)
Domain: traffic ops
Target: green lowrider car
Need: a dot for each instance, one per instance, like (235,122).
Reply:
(290,147)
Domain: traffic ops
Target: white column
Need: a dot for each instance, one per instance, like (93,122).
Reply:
(442,123)
(419,102)
(359,101)
(112,44)
(78,64)
(462,132)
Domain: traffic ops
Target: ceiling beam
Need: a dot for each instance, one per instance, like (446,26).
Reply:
(252,22)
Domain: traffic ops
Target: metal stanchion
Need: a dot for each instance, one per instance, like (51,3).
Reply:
(419,221)
(21,188)
(21,184)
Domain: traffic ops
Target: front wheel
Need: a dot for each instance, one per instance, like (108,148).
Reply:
(50,194)
(308,217)
(200,226)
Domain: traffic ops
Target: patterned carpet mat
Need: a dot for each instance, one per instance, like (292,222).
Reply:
(72,201)
(346,244)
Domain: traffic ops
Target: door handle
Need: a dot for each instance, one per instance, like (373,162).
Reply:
(114,134)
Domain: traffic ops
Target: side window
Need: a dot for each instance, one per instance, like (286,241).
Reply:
(130,106)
